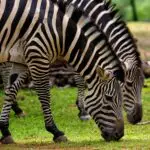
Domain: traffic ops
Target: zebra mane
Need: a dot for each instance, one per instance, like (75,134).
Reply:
(114,12)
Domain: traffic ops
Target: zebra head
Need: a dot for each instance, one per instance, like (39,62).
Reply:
(104,104)
(132,87)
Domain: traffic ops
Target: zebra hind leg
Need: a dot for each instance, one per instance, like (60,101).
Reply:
(15,107)
(4,120)
(10,96)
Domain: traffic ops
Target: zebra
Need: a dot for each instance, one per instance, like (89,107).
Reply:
(105,15)
(39,31)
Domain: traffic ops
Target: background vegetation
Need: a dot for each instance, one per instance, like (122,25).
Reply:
(142,9)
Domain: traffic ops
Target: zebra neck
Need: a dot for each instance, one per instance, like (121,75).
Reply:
(105,15)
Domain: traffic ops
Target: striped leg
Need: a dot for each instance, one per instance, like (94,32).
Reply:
(14,70)
(6,107)
(40,77)
(11,91)
(83,115)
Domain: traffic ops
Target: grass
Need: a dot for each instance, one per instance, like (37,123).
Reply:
(29,132)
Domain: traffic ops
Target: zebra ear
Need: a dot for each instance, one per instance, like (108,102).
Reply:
(104,75)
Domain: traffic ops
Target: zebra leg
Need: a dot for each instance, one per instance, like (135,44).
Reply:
(6,135)
(18,111)
(15,107)
(16,72)
(83,115)
(42,88)
(40,77)
(10,96)
(4,120)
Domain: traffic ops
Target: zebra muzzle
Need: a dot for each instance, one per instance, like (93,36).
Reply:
(114,134)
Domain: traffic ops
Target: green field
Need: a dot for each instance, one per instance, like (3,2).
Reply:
(142,9)
(29,132)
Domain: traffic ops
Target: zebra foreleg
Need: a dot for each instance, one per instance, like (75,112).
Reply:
(42,88)
(83,115)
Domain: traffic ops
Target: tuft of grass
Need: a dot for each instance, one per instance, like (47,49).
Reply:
(29,132)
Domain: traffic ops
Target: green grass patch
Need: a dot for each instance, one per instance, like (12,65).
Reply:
(29,132)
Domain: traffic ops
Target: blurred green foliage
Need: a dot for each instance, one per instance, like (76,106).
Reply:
(142,8)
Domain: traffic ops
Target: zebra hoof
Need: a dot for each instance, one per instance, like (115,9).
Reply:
(84,118)
(60,139)
(21,115)
(7,140)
